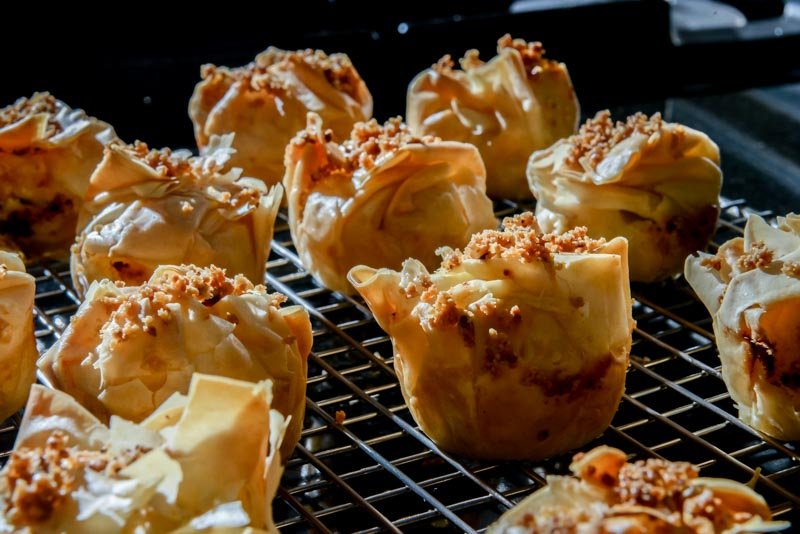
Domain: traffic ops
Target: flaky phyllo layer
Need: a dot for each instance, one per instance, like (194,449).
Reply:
(47,154)
(653,182)
(128,348)
(514,104)
(147,208)
(751,287)
(380,197)
(17,342)
(517,346)
(206,460)
(609,494)
(265,104)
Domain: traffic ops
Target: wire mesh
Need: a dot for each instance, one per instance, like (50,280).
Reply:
(377,472)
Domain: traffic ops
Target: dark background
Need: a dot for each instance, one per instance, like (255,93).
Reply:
(135,65)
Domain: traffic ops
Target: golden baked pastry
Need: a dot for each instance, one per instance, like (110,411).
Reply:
(517,347)
(47,154)
(751,287)
(208,460)
(265,104)
(128,348)
(514,104)
(653,182)
(147,208)
(611,495)
(380,197)
(17,342)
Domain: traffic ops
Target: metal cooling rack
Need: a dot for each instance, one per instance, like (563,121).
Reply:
(378,472)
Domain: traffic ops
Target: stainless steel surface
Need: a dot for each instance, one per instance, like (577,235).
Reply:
(378,472)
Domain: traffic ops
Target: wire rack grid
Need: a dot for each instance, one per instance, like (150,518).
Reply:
(377,472)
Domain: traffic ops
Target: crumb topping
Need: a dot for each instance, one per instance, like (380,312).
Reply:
(654,483)
(40,480)
(368,141)
(163,161)
(664,487)
(758,257)
(193,173)
(264,72)
(532,52)
(600,134)
(521,238)
(791,268)
(142,309)
(25,107)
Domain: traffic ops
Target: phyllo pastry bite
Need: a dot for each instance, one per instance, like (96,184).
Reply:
(147,208)
(265,104)
(608,494)
(751,287)
(514,104)
(128,348)
(653,182)
(47,154)
(517,347)
(17,342)
(380,197)
(208,461)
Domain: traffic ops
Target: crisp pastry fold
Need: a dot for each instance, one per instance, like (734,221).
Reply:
(653,182)
(508,107)
(47,154)
(380,197)
(517,347)
(209,461)
(17,342)
(265,104)
(751,287)
(128,348)
(609,494)
(147,208)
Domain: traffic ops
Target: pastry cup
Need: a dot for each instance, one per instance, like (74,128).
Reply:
(655,183)
(128,348)
(751,287)
(514,349)
(380,197)
(508,107)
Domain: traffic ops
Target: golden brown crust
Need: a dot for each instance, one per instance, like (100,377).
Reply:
(600,134)
(521,238)
(25,107)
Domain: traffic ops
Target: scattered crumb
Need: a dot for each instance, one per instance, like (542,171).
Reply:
(600,134)
(340,417)
(758,257)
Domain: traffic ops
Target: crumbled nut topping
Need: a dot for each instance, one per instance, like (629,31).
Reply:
(758,257)
(714,262)
(192,173)
(791,269)
(532,52)
(264,72)
(40,480)
(600,134)
(521,238)
(163,161)
(141,310)
(368,141)
(25,107)
(655,483)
